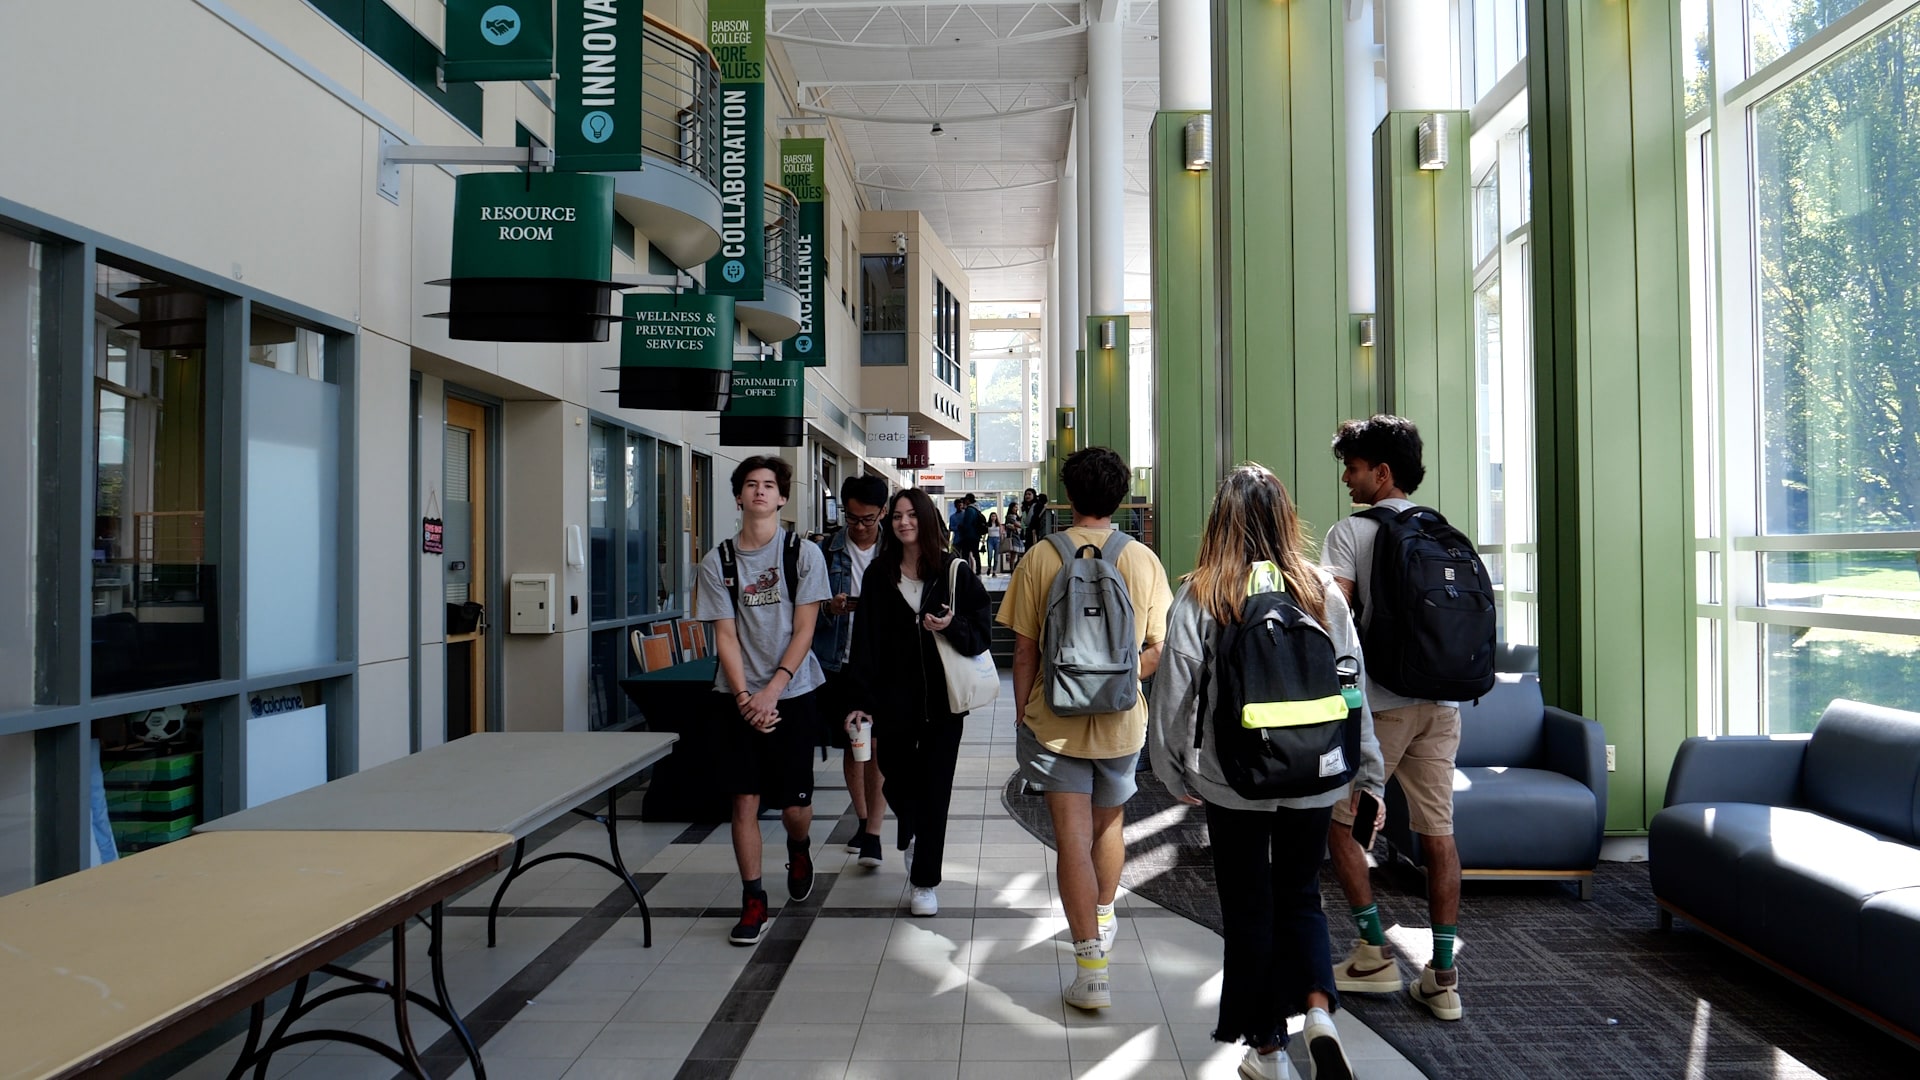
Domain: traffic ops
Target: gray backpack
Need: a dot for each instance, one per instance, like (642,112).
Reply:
(1089,656)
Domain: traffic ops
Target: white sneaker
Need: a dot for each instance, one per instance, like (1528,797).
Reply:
(1109,927)
(924,902)
(1091,989)
(1259,1066)
(1325,1057)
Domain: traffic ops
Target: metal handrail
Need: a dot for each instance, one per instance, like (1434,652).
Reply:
(783,235)
(680,100)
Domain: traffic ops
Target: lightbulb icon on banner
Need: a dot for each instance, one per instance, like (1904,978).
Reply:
(597,126)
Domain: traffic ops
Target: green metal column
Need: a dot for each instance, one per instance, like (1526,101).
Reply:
(1280,242)
(1423,335)
(1186,385)
(1105,413)
(1616,579)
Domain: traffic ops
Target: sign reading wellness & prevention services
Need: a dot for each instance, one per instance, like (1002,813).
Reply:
(769,406)
(803,171)
(736,32)
(495,41)
(596,89)
(676,352)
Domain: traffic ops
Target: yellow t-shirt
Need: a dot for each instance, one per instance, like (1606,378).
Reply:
(1024,611)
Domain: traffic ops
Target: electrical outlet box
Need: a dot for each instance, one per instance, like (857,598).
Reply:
(530,604)
(1610,757)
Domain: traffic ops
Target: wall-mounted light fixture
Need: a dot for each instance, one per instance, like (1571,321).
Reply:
(1366,330)
(1199,140)
(1431,146)
(1109,334)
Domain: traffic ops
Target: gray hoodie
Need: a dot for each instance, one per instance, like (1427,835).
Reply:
(1175,705)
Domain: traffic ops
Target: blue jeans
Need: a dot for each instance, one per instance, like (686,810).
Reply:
(993,554)
(1267,866)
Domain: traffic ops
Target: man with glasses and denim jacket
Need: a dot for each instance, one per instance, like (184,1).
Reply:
(849,552)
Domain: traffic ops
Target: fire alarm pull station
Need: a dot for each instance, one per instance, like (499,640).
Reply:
(530,604)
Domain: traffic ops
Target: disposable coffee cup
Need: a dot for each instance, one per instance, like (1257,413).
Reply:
(860,740)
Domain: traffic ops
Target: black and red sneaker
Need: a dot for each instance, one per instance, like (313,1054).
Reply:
(753,920)
(799,872)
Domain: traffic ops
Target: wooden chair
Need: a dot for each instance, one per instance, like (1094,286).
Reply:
(693,639)
(653,651)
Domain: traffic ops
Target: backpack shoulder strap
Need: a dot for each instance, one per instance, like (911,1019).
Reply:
(791,557)
(1110,550)
(730,573)
(1064,545)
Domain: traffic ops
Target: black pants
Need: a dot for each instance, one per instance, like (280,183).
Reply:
(1267,866)
(918,757)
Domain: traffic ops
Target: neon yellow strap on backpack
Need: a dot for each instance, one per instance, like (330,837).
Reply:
(1265,577)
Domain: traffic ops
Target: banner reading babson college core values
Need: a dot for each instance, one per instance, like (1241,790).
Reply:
(736,32)
(803,170)
(499,40)
(596,90)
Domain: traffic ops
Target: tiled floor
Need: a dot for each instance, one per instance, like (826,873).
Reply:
(869,993)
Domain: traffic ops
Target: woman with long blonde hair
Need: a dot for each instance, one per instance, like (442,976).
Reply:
(1266,852)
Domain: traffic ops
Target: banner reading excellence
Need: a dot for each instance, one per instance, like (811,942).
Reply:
(803,170)
(736,32)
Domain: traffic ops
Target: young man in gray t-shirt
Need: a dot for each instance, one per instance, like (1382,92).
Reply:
(764,717)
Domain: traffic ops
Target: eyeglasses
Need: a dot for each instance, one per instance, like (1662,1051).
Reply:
(863,519)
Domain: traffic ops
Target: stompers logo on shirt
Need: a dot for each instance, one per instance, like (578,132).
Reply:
(764,589)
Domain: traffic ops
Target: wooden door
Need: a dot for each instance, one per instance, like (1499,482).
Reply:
(468,570)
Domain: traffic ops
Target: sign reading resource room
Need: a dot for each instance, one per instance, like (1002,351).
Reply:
(491,41)
(736,33)
(596,92)
(803,171)
(769,406)
(676,352)
(532,255)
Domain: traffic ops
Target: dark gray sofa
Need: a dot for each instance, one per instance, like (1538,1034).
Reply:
(1529,790)
(1804,852)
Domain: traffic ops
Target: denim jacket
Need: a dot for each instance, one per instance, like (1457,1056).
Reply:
(833,634)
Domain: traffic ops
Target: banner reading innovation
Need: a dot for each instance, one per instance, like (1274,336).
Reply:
(736,32)
(488,40)
(803,171)
(676,352)
(769,406)
(596,91)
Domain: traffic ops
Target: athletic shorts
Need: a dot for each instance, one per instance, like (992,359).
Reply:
(1108,780)
(1418,744)
(776,765)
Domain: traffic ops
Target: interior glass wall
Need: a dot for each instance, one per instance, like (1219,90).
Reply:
(635,567)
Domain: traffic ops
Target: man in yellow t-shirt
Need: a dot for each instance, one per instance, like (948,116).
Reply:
(1085,764)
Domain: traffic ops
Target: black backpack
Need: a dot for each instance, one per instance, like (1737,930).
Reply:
(790,561)
(1430,626)
(1286,718)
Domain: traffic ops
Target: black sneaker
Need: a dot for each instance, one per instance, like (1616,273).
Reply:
(799,873)
(753,920)
(869,849)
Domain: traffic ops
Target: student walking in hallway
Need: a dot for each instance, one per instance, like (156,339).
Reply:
(898,681)
(849,553)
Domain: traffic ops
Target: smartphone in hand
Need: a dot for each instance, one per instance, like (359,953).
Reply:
(1364,817)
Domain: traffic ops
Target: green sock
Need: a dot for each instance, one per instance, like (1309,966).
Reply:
(1368,920)
(1443,946)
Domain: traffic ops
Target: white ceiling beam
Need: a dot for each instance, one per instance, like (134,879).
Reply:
(1104,10)
(917,29)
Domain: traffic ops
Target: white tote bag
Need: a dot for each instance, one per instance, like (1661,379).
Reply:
(972,681)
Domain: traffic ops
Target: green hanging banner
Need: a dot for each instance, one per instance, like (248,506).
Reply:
(736,32)
(532,258)
(492,41)
(769,406)
(676,352)
(803,171)
(596,90)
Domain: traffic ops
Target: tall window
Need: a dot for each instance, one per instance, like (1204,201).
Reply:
(883,310)
(1809,522)
(1002,361)
(946,335)
(636,571)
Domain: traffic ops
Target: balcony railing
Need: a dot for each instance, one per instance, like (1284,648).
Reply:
(680,100)
(783,236)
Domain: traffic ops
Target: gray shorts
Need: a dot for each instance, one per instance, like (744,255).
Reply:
(1108,780)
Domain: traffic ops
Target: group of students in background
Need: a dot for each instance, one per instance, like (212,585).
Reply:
(1026,523)
(811,635)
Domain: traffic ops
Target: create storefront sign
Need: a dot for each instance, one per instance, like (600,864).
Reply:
(491,41)
(803,171)
(736,33)
(596,90)
(769,405)
(532,255)
(887,436)
(676,352)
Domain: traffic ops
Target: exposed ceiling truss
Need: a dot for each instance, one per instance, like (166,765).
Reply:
(948,179)
(934,102)
(1000,258)
(829,25)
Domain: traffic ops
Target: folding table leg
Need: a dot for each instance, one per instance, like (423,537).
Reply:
(618,868)
(436,951)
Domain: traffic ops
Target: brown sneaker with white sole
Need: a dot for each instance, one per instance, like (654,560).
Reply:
(1368,969)
(1439,992)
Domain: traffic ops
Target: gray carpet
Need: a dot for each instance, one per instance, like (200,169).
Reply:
(1553,987)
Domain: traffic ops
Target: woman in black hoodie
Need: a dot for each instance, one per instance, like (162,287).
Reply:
(898,681)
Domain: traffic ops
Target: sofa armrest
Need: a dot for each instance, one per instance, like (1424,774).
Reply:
(1577,747)
(1762,769)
